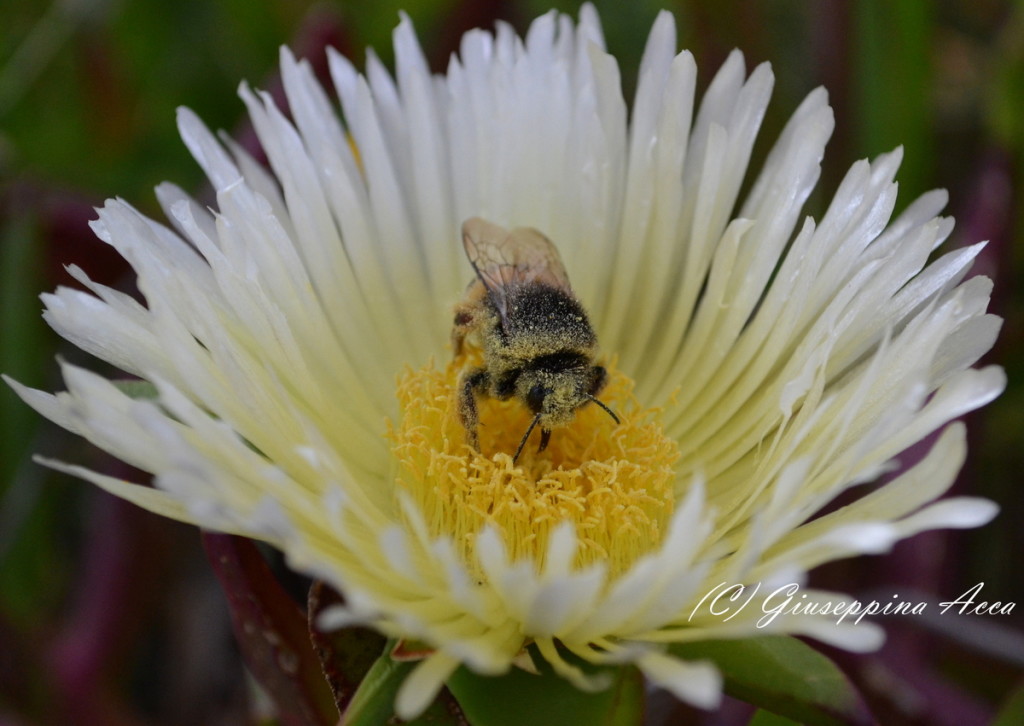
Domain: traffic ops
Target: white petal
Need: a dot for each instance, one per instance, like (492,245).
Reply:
(422,685)
(955,513)
(148,498)
(698,683)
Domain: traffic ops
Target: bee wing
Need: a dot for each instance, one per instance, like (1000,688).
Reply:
(504,259)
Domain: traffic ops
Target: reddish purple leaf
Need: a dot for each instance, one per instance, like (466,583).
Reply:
(271,632)
(346,654)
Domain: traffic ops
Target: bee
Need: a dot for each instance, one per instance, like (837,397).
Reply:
(536,340)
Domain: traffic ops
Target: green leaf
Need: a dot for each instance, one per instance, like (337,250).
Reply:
(1005,84)
(547,699)
(373,703)
(23,333)
(785,676)
(1012,711)
(891,53)
(346,654)
(31,558)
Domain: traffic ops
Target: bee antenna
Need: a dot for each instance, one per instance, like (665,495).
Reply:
(607,410)
(522,443)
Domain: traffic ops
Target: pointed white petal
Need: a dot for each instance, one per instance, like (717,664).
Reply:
(698,683)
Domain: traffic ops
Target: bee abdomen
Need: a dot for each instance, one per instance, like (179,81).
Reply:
(551,318)
(560,361)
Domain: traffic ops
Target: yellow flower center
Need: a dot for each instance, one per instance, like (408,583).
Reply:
(614,482)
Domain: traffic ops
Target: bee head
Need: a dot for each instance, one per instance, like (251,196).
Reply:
(551,396)
(554,396)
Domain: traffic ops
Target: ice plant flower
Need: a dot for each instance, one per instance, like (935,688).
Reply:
(762,361)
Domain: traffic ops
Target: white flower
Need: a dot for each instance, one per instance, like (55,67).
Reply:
(778,360)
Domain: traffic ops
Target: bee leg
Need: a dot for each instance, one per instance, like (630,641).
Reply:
(472,382)
(545,437)
(598,379)
(525,437)
(461,327)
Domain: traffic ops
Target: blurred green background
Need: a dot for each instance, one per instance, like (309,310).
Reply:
(88,90)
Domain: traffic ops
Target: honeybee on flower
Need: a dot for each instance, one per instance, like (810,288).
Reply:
(537,340)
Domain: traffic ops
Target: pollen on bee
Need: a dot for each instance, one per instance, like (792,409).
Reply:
(613,482)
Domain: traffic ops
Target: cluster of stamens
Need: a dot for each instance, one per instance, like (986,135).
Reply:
(613,482)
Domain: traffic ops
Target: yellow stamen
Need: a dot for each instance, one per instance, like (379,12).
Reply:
(613,482)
